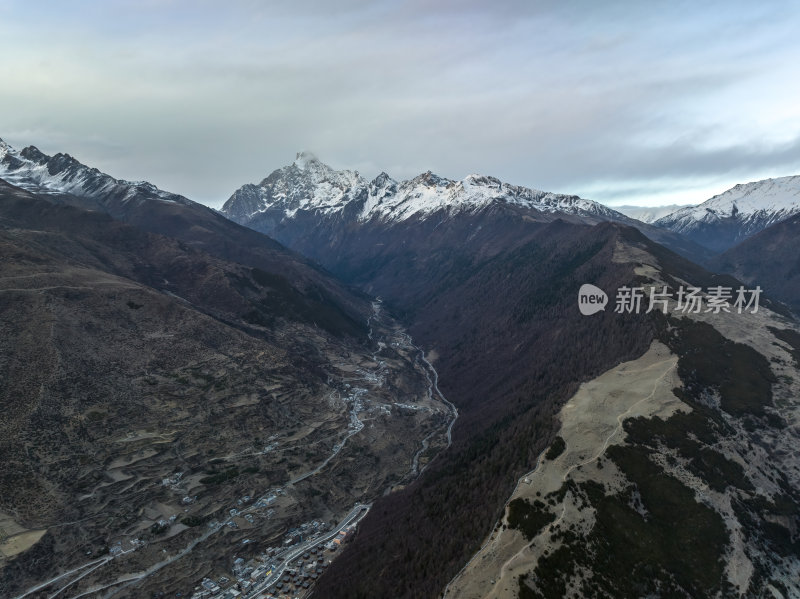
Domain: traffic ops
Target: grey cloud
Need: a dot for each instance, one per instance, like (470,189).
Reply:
(201,98)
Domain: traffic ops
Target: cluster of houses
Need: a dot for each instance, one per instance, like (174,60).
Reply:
(288,571)
(297,578)
(302,573)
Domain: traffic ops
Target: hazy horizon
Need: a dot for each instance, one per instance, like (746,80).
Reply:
(622,103)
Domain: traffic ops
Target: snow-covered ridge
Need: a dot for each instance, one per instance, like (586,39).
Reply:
(309,185)
(427,193)
(37,172)
(756,205)
(648,214)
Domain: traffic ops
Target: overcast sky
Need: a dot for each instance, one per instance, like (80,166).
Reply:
(622,102)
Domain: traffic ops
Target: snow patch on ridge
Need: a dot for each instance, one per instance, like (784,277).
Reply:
(309,185)
(37,172)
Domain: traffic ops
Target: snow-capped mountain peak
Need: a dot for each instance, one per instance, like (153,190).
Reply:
(382,181)
(475,180)
(304,159)
(738,213)
(776,196)
(305,185)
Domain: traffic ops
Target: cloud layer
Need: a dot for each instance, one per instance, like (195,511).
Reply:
(623,102)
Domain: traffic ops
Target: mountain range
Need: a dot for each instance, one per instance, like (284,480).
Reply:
(308,205)
(156,351)
(309,185)
(308,190)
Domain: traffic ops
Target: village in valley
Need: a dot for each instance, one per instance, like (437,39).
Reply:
(287,571)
